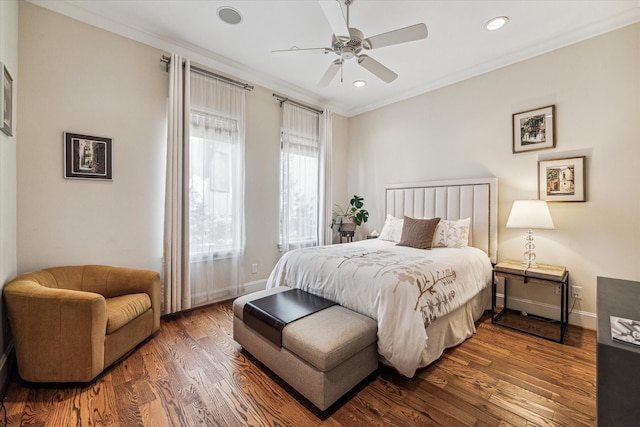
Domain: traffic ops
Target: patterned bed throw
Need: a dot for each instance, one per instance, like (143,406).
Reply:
(403,288)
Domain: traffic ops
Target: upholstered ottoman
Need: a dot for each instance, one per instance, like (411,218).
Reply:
(323,355)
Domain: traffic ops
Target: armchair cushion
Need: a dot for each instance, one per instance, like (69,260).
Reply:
(123,309)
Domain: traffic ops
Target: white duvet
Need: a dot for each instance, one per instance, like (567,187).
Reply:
(403,288)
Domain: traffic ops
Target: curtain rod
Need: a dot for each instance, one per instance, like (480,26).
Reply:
(282,99)
(245,86)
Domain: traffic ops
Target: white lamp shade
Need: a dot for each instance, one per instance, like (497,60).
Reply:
(530,214)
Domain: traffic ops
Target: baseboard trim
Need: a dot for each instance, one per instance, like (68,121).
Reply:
(7,362)
(584,319)
(226,294)
(255,286)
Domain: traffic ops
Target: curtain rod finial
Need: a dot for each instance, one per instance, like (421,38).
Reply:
(167,61)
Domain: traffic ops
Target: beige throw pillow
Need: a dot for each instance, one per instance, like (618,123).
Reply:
(452,233)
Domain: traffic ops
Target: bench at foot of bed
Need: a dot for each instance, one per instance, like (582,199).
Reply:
(323,355)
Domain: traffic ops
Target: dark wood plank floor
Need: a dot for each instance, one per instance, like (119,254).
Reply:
(193,374)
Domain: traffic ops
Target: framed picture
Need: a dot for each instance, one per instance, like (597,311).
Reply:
(561,180)
(534,129)
(87,157)
(6,95)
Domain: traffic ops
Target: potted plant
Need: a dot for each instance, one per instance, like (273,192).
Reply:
(353,216)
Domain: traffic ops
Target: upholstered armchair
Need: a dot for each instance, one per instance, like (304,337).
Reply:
(70,323)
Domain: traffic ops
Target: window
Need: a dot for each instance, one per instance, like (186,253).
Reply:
(215,174)
(299,177)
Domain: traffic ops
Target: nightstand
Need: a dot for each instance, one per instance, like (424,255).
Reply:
(544,274)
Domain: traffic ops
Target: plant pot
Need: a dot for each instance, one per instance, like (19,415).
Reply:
(348,225)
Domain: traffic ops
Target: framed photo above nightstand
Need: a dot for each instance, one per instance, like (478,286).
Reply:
(561,180)
(534,129)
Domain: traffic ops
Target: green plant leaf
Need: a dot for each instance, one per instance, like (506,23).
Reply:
(354,211)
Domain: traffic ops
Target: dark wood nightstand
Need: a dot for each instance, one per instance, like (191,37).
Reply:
(544,274)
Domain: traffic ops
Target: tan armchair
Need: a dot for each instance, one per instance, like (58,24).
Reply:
(69,323)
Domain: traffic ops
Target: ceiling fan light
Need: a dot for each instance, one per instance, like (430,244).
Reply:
(229,15)
(496,23)
(359,83)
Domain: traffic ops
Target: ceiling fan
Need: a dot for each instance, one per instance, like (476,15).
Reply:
(349,43)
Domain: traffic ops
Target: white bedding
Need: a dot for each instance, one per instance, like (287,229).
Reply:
(403,288)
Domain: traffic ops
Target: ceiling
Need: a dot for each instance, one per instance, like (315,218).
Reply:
(457,47)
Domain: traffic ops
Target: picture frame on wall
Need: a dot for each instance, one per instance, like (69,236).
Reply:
(6,97)
(534,129)
(87,157)
(561,180)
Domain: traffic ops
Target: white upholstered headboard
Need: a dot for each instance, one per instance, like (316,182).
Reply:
(475,198)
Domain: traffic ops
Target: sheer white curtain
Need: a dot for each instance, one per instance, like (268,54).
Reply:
(175,268)
(299,178)
(216,188)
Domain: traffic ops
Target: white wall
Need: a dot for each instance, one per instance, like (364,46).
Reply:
(8,263)
(464,130)
(341,165)
(82,79)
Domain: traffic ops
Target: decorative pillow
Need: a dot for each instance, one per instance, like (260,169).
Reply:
(418,233)
(452,233)
(392,229)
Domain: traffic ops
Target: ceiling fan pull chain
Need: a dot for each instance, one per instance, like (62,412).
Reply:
(341,71)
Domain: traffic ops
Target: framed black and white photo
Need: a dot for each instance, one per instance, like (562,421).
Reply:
(561,180)
(87,157)
(534,129)
(6,97)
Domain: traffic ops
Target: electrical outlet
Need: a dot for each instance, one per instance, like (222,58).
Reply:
(558,289)
(576,292)
(254,268)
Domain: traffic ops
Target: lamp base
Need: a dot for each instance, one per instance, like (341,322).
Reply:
(529,258)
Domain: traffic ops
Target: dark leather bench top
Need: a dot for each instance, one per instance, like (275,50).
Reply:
(269,315)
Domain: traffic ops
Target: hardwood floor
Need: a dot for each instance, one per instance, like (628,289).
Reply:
(193,374)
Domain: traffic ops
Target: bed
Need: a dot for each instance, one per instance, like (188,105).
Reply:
(424,301)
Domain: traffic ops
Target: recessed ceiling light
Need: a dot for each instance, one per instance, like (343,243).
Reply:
(359,83)
(496,23)
(229,15)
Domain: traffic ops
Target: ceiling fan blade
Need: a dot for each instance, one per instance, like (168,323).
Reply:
(330,73)
(376,68)
(402,35)
(333,12)
(296,51)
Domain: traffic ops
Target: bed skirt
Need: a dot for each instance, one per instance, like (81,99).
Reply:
(452,329)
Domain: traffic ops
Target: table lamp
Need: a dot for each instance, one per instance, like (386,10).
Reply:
(530,214)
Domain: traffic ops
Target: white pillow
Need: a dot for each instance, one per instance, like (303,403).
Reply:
(452,233)
(392,229)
